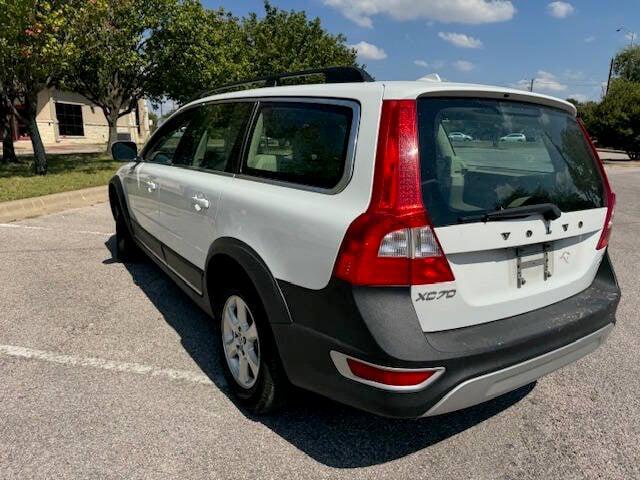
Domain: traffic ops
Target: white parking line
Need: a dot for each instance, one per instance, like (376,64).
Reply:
(34,227)
(127,367)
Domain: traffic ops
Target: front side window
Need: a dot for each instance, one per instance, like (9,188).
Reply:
(214,137)
(301,143)
(69,117)
(480,155)
(164,144)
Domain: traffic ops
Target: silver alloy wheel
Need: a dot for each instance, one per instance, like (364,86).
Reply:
(240,341)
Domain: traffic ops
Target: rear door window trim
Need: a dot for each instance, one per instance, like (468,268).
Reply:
(236,170)
(350,153)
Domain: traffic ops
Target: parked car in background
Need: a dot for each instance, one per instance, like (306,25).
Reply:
(514,137)
(344,246)
(460,137)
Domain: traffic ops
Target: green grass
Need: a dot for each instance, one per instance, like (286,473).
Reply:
(66,172)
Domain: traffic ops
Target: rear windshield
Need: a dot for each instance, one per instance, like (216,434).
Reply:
(479,156)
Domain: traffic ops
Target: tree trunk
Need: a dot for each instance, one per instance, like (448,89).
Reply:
(8,152)
(112,121)
(40,157)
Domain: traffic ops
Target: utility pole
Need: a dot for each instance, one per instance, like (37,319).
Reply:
(609,79)
(531,85)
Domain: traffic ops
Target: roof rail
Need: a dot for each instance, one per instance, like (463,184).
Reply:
(331,75)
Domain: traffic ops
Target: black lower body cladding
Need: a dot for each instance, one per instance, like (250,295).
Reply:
(379,325)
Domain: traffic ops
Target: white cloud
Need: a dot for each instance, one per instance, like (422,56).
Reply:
(579,97)
(544,82)
(460,40)
(369,51)
(560,9)
(573,74)
(631,36)
(446,11)
(435,65)
(589,39)
(463,65)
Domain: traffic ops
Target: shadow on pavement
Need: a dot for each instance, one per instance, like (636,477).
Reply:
(331,433)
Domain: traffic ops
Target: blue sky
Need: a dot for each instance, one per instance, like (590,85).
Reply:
(565,45)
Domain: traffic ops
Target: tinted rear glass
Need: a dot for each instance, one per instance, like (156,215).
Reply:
(479,156)
(302,143)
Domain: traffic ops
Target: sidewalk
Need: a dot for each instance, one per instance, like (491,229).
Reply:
(612,155)
(56,202)
(23,148)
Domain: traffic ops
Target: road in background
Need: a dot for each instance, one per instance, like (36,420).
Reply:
(109,371)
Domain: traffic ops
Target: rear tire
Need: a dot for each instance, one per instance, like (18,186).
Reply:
(248,353)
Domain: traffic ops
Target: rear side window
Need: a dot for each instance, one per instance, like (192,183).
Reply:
(214,136)
(300,143)
(479,156)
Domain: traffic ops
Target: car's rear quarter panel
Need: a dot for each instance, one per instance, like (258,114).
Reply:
(296,231)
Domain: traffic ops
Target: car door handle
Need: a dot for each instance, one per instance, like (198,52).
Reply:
(200,202)
(151,186)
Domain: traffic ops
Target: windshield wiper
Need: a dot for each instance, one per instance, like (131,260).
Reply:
(549,211)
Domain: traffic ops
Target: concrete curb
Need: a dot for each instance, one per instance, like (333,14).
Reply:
(56,202)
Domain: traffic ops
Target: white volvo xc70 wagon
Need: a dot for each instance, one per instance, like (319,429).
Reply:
(344,244)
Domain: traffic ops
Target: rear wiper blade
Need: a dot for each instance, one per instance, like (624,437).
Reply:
(549,211)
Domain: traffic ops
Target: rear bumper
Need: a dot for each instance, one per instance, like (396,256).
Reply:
(491,385)
(380,326)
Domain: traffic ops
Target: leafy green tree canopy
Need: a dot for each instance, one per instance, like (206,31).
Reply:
(284,41)
(115,67)
(194,49)
(198,49)
(37,46)
(626,64)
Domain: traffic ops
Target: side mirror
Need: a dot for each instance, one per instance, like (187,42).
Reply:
(124,151)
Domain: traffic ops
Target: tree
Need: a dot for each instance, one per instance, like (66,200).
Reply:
(115,68)
(615,121)
(626,64)
(8,152)
(617,118)
(288,41)
(35,50)
(196,49)
(199,49)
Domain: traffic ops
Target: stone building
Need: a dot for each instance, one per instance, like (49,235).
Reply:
(66,118)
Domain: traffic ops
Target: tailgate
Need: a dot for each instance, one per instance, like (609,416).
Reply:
(504,266)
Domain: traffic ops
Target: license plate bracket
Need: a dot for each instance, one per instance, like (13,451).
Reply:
(523,264)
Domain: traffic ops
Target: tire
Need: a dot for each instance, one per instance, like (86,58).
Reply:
(126,248)
(263,389)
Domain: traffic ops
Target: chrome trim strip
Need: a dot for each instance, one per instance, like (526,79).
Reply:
(494,384)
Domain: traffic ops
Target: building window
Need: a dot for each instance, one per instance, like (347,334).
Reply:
(69,119)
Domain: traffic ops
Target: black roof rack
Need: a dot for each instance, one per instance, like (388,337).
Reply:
(331,75)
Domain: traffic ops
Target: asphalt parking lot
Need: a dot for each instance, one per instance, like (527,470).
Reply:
(108,371)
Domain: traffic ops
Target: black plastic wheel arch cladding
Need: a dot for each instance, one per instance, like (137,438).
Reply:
(116,184)
(256,269)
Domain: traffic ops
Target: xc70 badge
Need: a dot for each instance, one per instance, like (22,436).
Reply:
(435,295)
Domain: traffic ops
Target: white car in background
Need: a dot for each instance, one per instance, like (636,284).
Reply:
(514,137)
(460,137)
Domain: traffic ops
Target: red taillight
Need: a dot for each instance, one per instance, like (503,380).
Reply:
(393,378)
(393,242)
(610,197)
